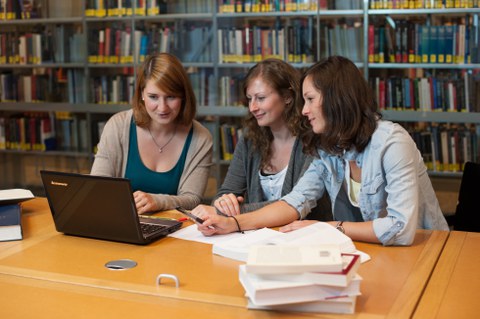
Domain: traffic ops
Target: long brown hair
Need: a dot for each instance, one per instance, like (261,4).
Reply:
(285,80)
(170,76)
(349,107)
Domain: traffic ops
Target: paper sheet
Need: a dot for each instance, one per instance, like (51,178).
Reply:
(236,241)
(192,233)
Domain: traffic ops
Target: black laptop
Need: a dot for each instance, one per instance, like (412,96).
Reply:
(100,207)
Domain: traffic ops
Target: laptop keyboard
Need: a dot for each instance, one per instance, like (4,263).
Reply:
(150,229)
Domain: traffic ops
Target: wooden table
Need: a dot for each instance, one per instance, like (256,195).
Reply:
(452,291)
(47,269)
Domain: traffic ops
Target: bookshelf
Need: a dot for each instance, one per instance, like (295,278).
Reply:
(429,49)
(88,80)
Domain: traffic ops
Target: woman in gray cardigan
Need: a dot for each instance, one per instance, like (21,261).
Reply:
(268,159)
(159,146)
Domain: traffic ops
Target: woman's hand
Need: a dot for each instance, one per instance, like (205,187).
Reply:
(144,202)
(213,224)
(297,225)
(229,204)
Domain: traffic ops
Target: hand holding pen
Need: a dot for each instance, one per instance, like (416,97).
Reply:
(213,223)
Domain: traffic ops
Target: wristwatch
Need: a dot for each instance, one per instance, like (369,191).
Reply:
(340,227)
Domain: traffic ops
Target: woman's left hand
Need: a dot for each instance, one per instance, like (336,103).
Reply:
(229,204)
(297,225)
(144,202)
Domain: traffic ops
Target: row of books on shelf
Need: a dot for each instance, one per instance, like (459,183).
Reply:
(60,85)
(24,88)
(256,6)
(204,83)
(114,44)
(407,41)
(231,6)
(113,89)
(58,44)
(231,90)
(229,136)
(52,131)
(19,9)
(119,8)
(449,92)
(446,147)
(422,4)
(342,38)
(294,41)
(56,86)
(452,91)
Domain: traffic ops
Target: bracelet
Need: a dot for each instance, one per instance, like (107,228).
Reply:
(238,225)
(340,226)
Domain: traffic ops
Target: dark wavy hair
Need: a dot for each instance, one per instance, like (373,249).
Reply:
(170,76)
(349,107)
(285,80)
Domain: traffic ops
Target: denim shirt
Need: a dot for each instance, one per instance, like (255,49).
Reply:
(396,192)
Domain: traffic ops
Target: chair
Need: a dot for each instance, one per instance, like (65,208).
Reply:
(467,214)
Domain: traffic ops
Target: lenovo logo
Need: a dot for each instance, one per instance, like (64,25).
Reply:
(58,183)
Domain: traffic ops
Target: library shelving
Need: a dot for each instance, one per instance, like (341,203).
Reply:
(423,63)
(74,63)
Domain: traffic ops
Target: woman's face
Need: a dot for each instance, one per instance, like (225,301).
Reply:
(313,107)
(265,103)
(161,107)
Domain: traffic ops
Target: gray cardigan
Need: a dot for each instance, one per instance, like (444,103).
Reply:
(112,154)
(242,179)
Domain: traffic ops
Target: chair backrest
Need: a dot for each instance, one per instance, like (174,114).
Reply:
(467,214)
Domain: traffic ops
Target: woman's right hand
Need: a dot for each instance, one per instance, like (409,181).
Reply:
(229,204)
(213,224)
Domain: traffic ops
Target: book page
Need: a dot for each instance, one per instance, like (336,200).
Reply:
(192,233)
(316,234)
(14,195)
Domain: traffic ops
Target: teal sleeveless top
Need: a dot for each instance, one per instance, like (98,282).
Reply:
(144,179)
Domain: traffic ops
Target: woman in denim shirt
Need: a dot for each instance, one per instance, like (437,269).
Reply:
(371,169)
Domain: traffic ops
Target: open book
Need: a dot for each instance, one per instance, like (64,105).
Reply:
(316,234)
(14,196)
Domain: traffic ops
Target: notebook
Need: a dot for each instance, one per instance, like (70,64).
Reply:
(100,207)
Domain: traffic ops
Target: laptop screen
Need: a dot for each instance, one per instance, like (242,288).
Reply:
(93,206)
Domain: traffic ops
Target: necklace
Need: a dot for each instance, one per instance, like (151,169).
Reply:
(160,148)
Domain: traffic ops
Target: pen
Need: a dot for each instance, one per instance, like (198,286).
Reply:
(187,213)
(193,217)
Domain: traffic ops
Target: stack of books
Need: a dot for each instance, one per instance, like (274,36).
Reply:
(301,278)
(10,213)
